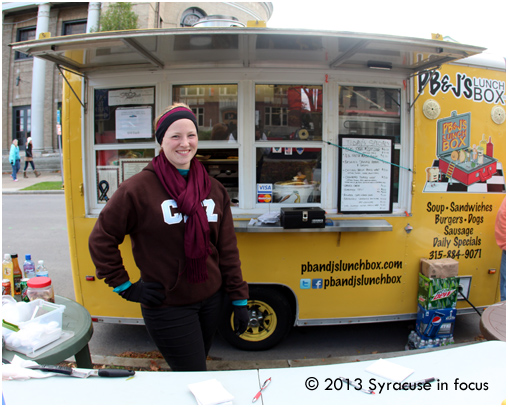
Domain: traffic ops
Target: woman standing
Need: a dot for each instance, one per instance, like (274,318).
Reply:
(183,241)
(29,158)
(14,159)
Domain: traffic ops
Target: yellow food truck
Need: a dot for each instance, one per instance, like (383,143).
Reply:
(348,158)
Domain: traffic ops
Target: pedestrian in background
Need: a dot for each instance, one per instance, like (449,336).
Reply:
(500,230)
(14,159)
(183,240)
(29,158)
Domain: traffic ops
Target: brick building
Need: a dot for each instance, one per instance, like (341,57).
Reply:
(32,106)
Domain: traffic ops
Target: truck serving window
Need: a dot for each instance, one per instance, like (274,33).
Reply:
(288,122)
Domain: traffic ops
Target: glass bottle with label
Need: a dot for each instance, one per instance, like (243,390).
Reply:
(7,269)
(483,143)
(480,155)
(490,148)
(17,275)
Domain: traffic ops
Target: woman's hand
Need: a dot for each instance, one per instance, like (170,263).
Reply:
(145,293)
(240,319)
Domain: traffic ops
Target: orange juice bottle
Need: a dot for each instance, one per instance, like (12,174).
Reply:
(7,270)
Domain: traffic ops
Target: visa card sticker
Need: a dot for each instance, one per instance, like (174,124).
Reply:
(264,192)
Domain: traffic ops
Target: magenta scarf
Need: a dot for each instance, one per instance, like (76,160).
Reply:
(189,195)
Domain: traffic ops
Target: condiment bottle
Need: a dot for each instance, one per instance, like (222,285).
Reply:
(7,270)
(17,275)
(480,155)
(490,148)
(483,143)
(40,288)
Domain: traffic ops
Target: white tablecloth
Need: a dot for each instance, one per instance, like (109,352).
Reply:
(480,366)
(479,371)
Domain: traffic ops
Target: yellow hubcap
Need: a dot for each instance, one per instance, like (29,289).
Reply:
(262,322)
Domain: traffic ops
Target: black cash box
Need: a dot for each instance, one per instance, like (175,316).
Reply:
(302,218)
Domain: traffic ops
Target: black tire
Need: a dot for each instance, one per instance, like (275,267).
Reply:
(271,320)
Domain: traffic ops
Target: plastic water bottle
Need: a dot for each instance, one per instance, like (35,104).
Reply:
(41,271)
(29,266)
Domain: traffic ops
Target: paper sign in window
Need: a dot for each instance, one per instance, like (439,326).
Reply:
(133,123)
(365,174)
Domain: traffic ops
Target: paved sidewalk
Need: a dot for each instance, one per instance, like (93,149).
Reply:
(11,187)
(147,363)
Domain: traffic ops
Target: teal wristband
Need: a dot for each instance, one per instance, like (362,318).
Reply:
(122,287)
(239,303)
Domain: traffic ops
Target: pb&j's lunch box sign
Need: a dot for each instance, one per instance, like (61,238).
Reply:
(458,159)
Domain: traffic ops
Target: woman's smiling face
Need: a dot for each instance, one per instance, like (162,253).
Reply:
(180,143)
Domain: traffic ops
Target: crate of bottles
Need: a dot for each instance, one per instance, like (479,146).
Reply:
(437,293)
(436,323)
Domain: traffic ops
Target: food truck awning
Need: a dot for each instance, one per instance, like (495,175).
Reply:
(234,47)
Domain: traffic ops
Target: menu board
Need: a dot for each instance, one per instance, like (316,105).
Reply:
(365,174)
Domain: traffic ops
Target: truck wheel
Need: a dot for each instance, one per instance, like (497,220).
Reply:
(271,320)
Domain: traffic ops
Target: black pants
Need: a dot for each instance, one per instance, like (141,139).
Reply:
(31,163)
(184,334)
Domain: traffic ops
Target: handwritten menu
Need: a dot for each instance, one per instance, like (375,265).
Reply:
(365,174)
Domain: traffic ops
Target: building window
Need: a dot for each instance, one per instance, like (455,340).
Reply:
(276,116)
(228,90)
(24,34)
(186,91)
(21,124)
(74,27)
(200,115)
